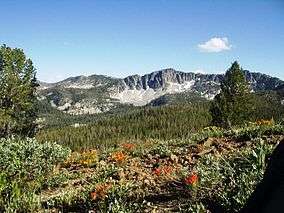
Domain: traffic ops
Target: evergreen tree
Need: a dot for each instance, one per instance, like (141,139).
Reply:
(17,93)
(232,105)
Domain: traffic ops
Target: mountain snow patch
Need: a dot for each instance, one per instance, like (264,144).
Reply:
(144,96)
(138,97)
(177,88)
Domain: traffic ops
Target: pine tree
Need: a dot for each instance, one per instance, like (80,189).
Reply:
(232,105)
(17,93)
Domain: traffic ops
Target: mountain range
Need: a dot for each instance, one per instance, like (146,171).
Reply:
(98,93)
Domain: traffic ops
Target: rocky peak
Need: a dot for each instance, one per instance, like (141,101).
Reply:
(159,79)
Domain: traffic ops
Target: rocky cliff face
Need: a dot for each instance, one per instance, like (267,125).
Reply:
(97,93)
(160,78)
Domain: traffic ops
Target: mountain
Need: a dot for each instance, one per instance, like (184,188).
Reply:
(98,93)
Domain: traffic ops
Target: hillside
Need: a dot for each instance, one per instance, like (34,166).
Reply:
(167,122)
(214,170)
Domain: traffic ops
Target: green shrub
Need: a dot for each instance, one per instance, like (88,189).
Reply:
(229,180)
(24,164)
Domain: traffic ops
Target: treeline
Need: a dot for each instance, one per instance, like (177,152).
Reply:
(166,122)
(267,105)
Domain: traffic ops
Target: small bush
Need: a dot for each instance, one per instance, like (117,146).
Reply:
(24,164)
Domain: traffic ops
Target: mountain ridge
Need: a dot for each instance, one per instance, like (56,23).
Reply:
(100,93)
(114,77)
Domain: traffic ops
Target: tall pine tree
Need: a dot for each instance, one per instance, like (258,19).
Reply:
(17,93)
(232,105)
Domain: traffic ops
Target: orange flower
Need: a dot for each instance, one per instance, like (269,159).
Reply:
(101,191)
(157,171)
(94,195)
(167,170)
(128,146)
(191,179)
(118,157)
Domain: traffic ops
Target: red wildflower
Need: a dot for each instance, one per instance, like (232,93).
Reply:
(157,171)
(191,179)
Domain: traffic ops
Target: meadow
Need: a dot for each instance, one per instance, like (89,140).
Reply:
(213,170)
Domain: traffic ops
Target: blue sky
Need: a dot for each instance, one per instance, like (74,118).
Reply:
(122,37)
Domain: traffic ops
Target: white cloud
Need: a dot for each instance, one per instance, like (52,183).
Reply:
(215,45)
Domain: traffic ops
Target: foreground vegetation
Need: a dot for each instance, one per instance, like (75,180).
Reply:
(24,165)
(214,170)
